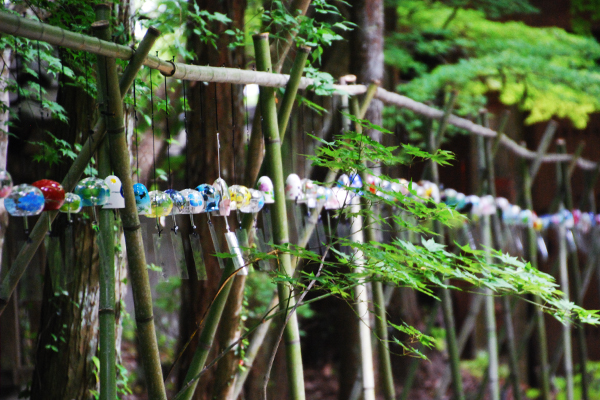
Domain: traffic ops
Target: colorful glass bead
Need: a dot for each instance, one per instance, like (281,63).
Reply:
(194,202)
(53,192)
(142,198)
(93,192)
(72,203)
(225,201)
(160,204)
(211,197)
(116,199)
(179,202)
(293,187)
(6,183)
(24,201)
(450,197)
(256,203)
(240,197)
(265,185)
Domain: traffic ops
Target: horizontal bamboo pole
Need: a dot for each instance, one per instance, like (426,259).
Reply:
(25,27)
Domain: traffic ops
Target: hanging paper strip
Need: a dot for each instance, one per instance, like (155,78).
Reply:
(234,248)
(55,262)
(69,268)
(198,255)
(262,247)
(180,265)
(267,224)
(215,239)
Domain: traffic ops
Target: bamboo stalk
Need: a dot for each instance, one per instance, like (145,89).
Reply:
(136,259)
(280,226)
(385,364)
(446,297)
(532,256)
(282,45)
(106,306)
(489,307)
(252,350)
(369,95)
(490,222)
(38,233)
(573,262)
(287,103)
(564,274)
(106,311)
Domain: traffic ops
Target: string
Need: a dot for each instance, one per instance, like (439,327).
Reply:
(135,132)
(17,78)
(247,116)
(233,131)
(302,109)
(168,133)
(153,148)
(87,103)
(39,60)
(217,126)
(187,143)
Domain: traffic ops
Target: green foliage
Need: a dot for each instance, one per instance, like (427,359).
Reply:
(544,71)
(593,370)
(493,8)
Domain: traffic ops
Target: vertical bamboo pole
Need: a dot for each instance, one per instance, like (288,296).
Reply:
(532,256)
(119,154)
(494,220)
(362,300)
(280,225)
(446,297)
(564,273)
(106,307)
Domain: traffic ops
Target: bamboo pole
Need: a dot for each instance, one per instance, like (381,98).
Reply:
(38,233)
(136,259)
(573,262)
(280,225)
(562,184)
(446,297)
(493,224)
(106,306)
(543,147)
(287,103)
(252,350)
(532,256)
(385,364)
(24,27)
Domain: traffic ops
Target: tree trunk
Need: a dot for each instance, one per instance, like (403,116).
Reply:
(203,168)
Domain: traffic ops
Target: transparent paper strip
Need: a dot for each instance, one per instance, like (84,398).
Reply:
(262,247)
(267,224)
(198,256)
(179,254)
(69,267)
(160,262)
(234,248)
(215,239)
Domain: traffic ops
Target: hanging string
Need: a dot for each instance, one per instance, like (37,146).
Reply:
(302,135)
(187,142)
(217,126)
(233,131)
(247,115)
(153,145)
(39,62)
(168,133)
(87,105)
(152,126)
(135,132)
(17,78)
